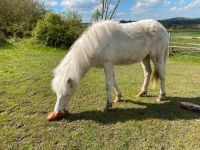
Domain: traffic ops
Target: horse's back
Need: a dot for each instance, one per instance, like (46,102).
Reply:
(147,34)
(125,43)
(145,28)
(139,39)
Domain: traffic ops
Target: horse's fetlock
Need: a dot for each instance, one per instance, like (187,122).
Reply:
(142,94)
(108,106)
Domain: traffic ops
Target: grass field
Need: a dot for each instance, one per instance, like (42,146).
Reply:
(137,123)
(176,40)
(186,33)
(190,34)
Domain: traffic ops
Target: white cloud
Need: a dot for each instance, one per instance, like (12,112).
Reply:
(182,2)
(98,6)
(82,6)
(79,3)
(87,6)
(192,5)
(142,6)
(120,14)
(53,3)
(166,2)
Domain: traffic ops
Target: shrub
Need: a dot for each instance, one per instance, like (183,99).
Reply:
(2,36)
(53,30)
(74,23)
(19,17)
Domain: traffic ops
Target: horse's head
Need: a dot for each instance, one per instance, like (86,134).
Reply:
(64,87)
(69,87)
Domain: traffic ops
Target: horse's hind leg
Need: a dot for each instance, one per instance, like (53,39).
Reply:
(147,74)
(160,69)
(161,72)
(117,90)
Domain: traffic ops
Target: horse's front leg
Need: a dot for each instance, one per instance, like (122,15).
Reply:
(108,70)
(117,90)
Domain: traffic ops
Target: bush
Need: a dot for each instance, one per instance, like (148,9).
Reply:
(53,30)
(2,36)
(19,17)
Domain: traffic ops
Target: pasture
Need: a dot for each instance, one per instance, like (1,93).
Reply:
(136,123)
(186,33)
(189,43)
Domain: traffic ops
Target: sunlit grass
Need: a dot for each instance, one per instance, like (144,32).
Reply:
(137,123)
(186,33)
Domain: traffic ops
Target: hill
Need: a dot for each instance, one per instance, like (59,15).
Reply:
(177,23)
(181,23)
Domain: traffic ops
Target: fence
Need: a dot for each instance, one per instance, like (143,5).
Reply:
(183,48)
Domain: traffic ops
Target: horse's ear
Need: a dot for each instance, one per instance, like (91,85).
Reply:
(70,82)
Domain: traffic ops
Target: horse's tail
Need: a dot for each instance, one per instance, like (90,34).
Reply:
(155,73)
(155,78)
(166,53)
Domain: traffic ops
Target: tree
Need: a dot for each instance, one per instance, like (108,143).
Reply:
(107,9)
(96,15)
(73,21)
(18,17)
(72,17)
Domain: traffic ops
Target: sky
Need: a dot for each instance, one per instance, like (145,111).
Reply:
(132,9)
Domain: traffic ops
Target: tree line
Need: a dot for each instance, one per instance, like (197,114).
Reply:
(178,23)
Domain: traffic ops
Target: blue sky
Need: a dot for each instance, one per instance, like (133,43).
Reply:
(132,9)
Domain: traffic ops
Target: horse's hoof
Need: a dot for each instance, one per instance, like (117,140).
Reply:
(118,99)
(107,108)
(142,94)
(158,100)
(57,115)
(161,97)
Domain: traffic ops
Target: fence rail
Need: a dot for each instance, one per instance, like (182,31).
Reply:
(174,48)
(194,44)
(183,48)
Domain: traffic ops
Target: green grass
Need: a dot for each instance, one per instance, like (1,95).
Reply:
(191,57)
(186,42)
(191,34)
(137,123)
(186,33)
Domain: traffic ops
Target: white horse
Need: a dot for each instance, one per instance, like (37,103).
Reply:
(105,44)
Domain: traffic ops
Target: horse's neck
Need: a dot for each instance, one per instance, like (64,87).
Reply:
(81,54)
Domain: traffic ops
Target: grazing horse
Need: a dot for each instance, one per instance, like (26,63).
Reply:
(109,43)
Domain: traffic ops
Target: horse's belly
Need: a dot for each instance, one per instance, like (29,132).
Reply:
(124,57)
(120,62)
(127,61)
(129,56)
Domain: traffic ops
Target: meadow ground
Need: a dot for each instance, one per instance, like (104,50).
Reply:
(186,33)
(137,123)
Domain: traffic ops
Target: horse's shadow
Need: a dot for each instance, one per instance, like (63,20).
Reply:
(166,110)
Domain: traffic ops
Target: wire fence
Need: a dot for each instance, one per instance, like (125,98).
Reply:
(186,48)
